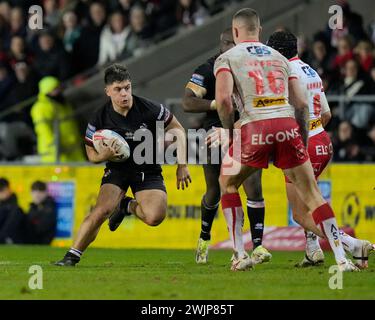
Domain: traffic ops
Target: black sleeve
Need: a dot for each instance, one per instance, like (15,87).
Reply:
(158,112)
(201,79)
(92,126)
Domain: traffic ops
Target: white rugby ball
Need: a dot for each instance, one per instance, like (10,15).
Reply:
(106,135)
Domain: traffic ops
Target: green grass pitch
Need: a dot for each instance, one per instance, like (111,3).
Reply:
(171,274)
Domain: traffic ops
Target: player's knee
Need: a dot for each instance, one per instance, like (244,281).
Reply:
(154,221)
(101,213)
(212,197)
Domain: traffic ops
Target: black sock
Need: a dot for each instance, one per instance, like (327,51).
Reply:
(208,214)
(255,212)
(74,254)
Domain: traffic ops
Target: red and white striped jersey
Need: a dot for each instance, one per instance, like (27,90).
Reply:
(261,77)
(312,86)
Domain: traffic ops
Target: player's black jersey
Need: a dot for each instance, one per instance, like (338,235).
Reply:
(143,115)
(202,83)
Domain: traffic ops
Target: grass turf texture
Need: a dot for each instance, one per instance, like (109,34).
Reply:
(171,274)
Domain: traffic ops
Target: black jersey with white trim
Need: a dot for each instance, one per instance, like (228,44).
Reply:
(143,115)
(202,83)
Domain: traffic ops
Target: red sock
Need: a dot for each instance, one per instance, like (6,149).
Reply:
(322,213)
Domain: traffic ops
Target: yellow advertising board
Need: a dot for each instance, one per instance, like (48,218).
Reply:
(352,197)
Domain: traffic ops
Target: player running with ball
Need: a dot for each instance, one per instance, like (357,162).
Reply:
(126,113)
(319,149)
(273,124)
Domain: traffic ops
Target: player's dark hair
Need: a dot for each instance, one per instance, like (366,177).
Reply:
(39,186)
(285,42)
(4,183)
(250,17)
(116,73)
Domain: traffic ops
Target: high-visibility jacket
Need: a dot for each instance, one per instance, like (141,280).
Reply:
(44,113)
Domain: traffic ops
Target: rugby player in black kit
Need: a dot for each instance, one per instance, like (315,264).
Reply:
(125,113)
(200,97)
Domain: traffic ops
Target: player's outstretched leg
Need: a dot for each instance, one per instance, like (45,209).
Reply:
(209,206)
(313,253)
(255,212)
(234,216)
(108,199)
(320,211)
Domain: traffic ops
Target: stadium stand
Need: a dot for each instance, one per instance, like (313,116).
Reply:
(184,33)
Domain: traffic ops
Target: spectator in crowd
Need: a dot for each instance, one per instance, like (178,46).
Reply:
(190,13)
(50,58)
(17,22)
(17,138)
(49,108)
(355,83)
(41,220)
(345,146)
(112,38)
(51,14)
(11,215)
(136,40)
(72,30)
(352,26)
(344,52)
(364,55)
(322,58)
(18,51)
(84,59)
(369,145)
(5,10)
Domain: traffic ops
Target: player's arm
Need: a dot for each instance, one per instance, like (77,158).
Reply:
(326,112)
(177,130)
(299,101)
(193,103)
(223,97)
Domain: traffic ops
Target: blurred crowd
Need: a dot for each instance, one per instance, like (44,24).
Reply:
(37,225)
(79,35)
(345,60)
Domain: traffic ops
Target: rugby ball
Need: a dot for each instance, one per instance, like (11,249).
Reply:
(106,135)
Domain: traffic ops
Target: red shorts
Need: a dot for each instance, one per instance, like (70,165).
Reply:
(278,139)
(320,151)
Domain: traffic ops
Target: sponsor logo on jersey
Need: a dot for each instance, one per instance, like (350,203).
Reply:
(197,79)
(314,124)
(268,102)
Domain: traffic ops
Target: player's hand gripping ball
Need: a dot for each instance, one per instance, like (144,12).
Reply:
(121,146)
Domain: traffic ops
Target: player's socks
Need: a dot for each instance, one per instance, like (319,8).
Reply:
(234,216)
(255,212)
(325,218)
(312,241)
(207,218)
(71,258)
(349,242)
(75,252)
(120,213)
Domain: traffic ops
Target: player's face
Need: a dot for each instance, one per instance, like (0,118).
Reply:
(226,42)
(120,94)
